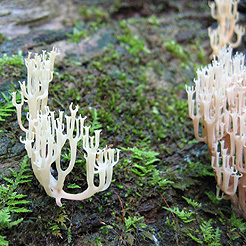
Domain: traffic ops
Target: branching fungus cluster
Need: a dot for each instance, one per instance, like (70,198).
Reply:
(228,31)
(47,135)
(218,104)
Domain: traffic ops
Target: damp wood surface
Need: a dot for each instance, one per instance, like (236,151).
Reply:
(126,64)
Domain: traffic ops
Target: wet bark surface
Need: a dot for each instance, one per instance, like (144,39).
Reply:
(126,64)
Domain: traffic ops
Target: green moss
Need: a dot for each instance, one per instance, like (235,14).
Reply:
(2,38)
(6,107)
(177,50)
(14,61)
(77,35)
(96,14)
(132,42)
(12,202)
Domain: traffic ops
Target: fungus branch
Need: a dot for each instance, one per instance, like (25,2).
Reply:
(227,32)
(47,135)
(218,104)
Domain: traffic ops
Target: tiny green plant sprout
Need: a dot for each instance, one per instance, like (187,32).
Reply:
(46,136)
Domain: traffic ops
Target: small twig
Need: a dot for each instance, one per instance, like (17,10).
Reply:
(167,205)
(122,241)
(123,211)
(176,221)
(121,238)
(81,153)
(111,228)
